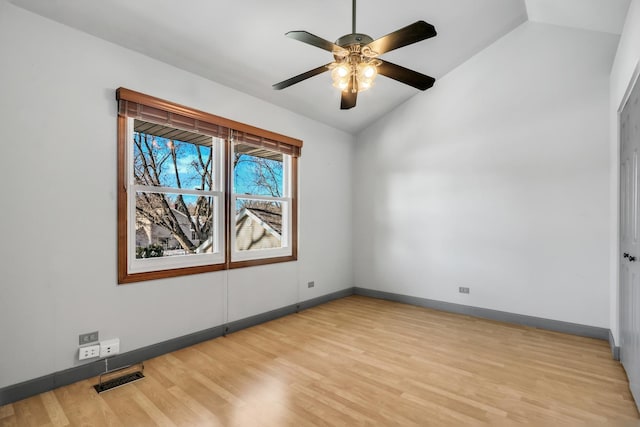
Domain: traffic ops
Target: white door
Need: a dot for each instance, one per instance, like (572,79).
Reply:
(629,240)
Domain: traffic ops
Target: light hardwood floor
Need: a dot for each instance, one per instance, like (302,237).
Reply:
(359,361)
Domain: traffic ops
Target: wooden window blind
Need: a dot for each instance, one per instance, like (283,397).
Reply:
(155,110)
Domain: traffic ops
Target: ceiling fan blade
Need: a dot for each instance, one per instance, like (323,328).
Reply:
(405,75)
(300,77)
(413,33)
(349,97)
(313,40)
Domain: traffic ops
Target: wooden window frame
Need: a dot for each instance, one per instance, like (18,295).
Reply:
(156,110)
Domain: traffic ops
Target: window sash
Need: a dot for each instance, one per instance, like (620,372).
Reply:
(287,187)
(172,262)
(136,265)
(285,235)
(286,214)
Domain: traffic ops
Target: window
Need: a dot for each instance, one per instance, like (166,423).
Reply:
(200,193)
(261,198)
(175,197)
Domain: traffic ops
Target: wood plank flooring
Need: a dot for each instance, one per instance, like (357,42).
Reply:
(359,361)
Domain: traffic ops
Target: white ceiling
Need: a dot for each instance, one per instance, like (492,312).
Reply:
(241,44)
(595,15)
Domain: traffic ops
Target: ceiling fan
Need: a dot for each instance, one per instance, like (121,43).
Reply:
(356,61)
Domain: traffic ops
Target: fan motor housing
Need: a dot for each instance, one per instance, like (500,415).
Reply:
(355,38)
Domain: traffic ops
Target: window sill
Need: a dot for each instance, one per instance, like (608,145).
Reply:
(177,272)
(262,261)
(124,278)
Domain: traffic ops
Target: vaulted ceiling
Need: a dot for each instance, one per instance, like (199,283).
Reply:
(241,44)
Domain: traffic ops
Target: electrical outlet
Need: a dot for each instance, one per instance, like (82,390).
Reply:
(89,352)
(109,347)
(463,290)
(88,338)
(311,284)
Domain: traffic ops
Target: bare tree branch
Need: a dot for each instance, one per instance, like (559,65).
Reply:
(157,208)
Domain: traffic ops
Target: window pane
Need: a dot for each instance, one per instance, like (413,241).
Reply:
(173,224)
(258,225)
(257,171)
(168,157)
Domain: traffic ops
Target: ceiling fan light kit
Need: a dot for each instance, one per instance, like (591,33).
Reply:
(356,63)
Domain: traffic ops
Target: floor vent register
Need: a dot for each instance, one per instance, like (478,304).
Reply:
(119,377)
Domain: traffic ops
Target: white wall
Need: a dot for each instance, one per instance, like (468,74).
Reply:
(58,168)
(496,179)
(625,69)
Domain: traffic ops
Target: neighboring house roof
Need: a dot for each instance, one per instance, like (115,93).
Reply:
(272,221)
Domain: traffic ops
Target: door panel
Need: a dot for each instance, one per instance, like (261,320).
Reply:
(630,241)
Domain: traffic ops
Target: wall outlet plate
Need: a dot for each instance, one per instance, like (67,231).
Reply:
(89,352)
(88,338)
(463,290)
(311,284)
(109,347)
